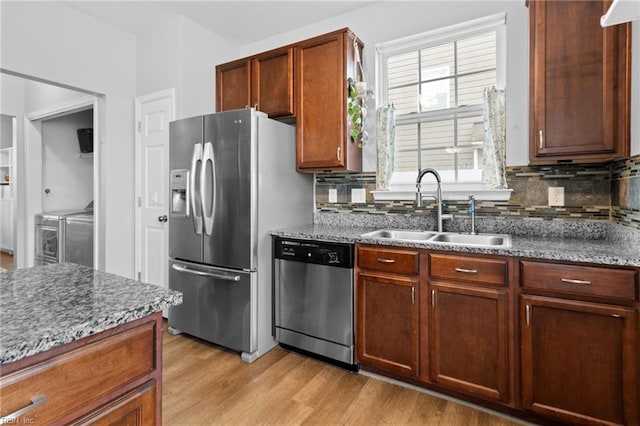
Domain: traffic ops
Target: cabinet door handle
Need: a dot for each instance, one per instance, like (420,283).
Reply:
(35,402)
(541,139)
(572,281)
(381,260)
(527,312)
(338,152)
(413,295)
(466,271)
(433,298)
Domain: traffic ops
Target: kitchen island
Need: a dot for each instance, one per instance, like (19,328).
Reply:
(80,345)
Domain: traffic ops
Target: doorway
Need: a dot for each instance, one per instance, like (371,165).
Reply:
(7,191)
(37,105)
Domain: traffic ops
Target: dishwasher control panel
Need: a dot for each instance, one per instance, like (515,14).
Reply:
(319,252)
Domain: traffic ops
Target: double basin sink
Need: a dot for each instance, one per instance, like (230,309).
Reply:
(453,238)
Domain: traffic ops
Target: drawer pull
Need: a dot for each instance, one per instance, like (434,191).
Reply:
(466,271)
(35,402)
(381,260)
(570,281)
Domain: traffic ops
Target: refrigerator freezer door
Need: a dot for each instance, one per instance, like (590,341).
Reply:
(185,135)
(230,242)
(216,305)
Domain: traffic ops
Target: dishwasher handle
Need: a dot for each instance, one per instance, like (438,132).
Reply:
(219,276)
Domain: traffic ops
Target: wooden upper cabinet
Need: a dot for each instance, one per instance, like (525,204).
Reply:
(579,83)
(272,83)
(233,85)
(323,65)
(264,82)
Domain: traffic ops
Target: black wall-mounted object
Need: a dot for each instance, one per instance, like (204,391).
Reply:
(85,139)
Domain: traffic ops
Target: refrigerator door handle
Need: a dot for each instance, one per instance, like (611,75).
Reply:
(220,276)
(188,195)
(208,188)
(191,188)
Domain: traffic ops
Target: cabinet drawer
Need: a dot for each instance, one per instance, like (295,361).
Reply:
(617,284)
(82,376)
(389,260)
(468,268)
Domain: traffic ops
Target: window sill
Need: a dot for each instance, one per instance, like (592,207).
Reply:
(452,195)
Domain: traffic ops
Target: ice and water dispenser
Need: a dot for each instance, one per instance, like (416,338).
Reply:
(179,192)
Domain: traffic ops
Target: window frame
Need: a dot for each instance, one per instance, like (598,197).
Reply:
(401,182)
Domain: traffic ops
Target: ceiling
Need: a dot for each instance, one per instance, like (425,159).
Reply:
(239,21)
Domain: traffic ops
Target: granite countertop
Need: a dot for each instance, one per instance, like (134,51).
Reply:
(605,251)
(48,306)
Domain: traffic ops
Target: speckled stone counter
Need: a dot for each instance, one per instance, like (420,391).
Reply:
(48,306)
(613,246)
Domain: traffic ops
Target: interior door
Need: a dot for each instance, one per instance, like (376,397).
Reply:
(230,193)
(154,113)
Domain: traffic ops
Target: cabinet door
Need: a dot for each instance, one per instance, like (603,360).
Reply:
(233,85)
(469,339)
(323,65)
(579,360)
(387,323)
(579,90)
(136,408)
(272,83)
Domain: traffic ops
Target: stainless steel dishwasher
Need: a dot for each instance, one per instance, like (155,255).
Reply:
(314,297)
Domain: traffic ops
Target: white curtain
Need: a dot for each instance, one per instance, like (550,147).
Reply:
(494,158)
(385,141)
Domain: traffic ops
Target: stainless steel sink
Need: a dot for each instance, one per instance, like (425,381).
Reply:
(401,234)
(474,240)
(467,240)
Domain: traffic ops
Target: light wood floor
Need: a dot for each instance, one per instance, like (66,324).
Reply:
(204,384)
(6,260)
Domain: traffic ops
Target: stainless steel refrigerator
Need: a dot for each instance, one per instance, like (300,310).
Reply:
(232,179)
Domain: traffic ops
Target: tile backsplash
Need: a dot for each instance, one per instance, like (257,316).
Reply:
(608,191)
(625,191)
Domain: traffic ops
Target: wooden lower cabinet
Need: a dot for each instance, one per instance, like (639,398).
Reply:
(468,339)
(579,360)
(136,408)
(546,341)
(387,323)
(113,377)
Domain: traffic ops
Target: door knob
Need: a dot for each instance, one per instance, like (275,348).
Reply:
(162,218)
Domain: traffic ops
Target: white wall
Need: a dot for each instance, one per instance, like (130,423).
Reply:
(67,174)
(182,55)
(55,43)
(12,99)
(390,20)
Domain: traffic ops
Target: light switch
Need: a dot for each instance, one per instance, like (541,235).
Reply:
(358,195)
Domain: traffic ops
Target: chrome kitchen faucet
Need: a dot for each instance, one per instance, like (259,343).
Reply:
(438,196)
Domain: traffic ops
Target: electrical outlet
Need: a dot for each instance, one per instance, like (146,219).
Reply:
(358,195)
(556,196)
(333,195)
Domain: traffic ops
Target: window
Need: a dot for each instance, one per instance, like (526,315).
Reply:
(435,81)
